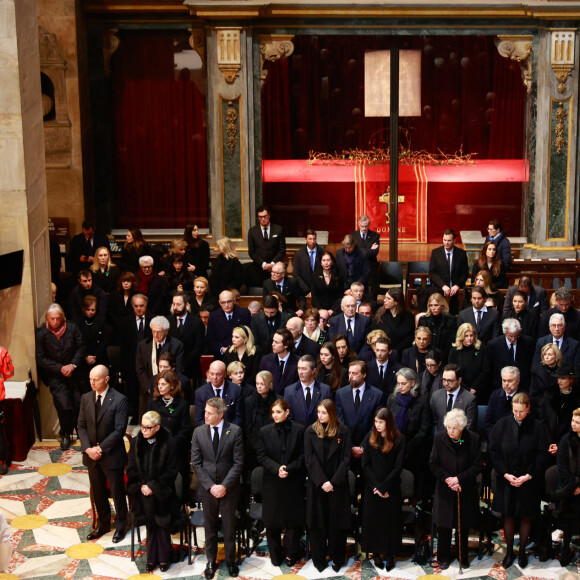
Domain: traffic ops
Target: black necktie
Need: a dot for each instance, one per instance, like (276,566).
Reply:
(98,406)
(218,393)
(279,288)
(308,397)
(512,352)
(508,402)
(266,234)
(216,440)
(357,400)
(140,329)
(478,321)
(280,369)
(349,329)
(381,372)
(450,403)
(449,265)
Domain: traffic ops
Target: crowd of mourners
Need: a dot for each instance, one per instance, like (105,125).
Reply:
(332,394)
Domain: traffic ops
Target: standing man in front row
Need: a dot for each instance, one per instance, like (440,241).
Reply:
(369,242)
(217,456)
(102,423)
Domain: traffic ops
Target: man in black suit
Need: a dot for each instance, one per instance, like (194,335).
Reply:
(304,395)
(354,326)
(511,349)
(101,428)
(86,287)
(83,247)
(219,386)
(305,261)
(500,402)
(564,299)
(381,370)
(217,457)
(486,321)
(288,287)
(148,353)
(189,329)
(264,324)
(221,323)
(302,344)
(352,263)
(569,347)
(369,242)
(536,295)
(448,269)
(266,246)
(282,363)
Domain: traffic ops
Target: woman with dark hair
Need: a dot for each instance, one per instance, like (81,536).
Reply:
(244,350)
(312,330)
(105,273)
(382,461)
(120,299)
(326,285)
(441,324)
(394,319)
(330,371)
(176,278)
(280,451)
(432,377)
(134,247)
(483,278)
(197,253)
(327,449)
(151,474)
(544,375)
(519,453)
(469,353)
(345,353)
(529,319)
(489,260)
(226,270)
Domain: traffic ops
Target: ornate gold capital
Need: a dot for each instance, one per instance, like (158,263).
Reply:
(519,49)
(562,55)
(229,53)
(272,48)
(197,42)
(111,43)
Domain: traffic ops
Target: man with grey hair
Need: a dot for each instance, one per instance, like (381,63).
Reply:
(148,353)
(151,284)
(500,402)
(569,347)
(369,242)
(302,344)
(290,288)
(352,263)
(511,349)
(564,306)
(350,323)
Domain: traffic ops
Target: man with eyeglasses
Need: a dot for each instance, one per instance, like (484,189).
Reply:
(287,287)
(453,396)
(151,284)
(221,323)
(569,347)
(101,427)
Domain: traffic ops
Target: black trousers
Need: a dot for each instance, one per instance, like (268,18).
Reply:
(158,545)
(331,542)
(291,541)
(63,397)
(444,544)
(99,474)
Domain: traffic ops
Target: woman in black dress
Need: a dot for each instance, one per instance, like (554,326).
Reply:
(519,453)
(330,371)
(395,320)
(244,350)
(280,451)
(327,448)
(544,375)
(470,355)
(382,461)
(326,285)
(105,273)
(529,319)
(134,247)
(442,325)
(456,462)
(197,253)
(489,260)
(151,474)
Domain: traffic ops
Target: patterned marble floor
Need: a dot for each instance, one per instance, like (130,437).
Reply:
(45,499)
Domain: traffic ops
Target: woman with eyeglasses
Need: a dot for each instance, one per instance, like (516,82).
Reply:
(432,377)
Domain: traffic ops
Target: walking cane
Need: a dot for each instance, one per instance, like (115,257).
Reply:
(459,528)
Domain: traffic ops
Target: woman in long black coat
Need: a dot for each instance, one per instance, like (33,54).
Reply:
(455,461)
(395,320)
(280,451)
(327,448)
(151,474)
(544,375)
(442,325)
(519,453)
(529,319)
(382,461)
(226,270)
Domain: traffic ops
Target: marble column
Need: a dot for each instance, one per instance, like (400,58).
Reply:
(22,181)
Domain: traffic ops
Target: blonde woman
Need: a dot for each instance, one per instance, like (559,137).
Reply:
(245,351)
(226,272)
(105,273)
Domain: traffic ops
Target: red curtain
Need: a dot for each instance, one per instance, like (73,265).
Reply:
(160,138)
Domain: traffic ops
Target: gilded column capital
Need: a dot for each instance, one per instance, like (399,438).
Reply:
(562,55)
(197,42)
(111,43)
(229,54)
(519,49)
(272,48)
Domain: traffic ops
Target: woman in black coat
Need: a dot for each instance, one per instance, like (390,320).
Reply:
(327,448)
(280,451)
(120,301)
(197,253)
(414,356)
(326,286)
(490,261)
(202,299)
(442,325)
(529,319)
(226,270)
(456,462)
(382,461)
(151,474)
(134,247)
(519,453)
(330,371)
(432,377)
(105,273)
(244,350)
(544,375)
(395,320)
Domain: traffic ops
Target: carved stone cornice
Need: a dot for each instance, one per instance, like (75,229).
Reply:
(562,55)
(519,49)
(197,42)
(272,48)
(111,43)
(229,54)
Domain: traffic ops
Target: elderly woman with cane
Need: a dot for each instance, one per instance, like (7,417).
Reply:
(456,462)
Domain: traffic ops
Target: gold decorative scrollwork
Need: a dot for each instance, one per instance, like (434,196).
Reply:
(272,48)
(197,42)
(111,43)
(518,49)
(561,116)
(231,128)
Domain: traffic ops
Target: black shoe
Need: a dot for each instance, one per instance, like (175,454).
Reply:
(3,467)
(118,535)
(390,564)
(321,567)
(465,564)
(65,442)
(508,560)
(291,561)
(443,565)
(566,557)
(150,566)
(164,566)
(522,559)
(97,533)
(377,561)
(336,567)
(233,570)
(210,570)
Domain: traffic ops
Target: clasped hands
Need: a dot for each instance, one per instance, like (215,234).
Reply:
(218,490)
(383,495)
(517,481)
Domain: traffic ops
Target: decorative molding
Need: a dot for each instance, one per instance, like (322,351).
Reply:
(111,43)
(229,53)
(562,55)
(197,42)
(560,128)
(519,49)
(272,48)
(231,128)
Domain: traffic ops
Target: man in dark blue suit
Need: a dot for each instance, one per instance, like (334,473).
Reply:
(83,247)
(354,326)
(563,306)
(569,347)
(357,403)
(500,402)
(305,261)
(305,395)
(287,287)
(221,323)
(486,321)
(369,242)
(352,263)
(218,386)
(381,370)
(282,362)
(302,344)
